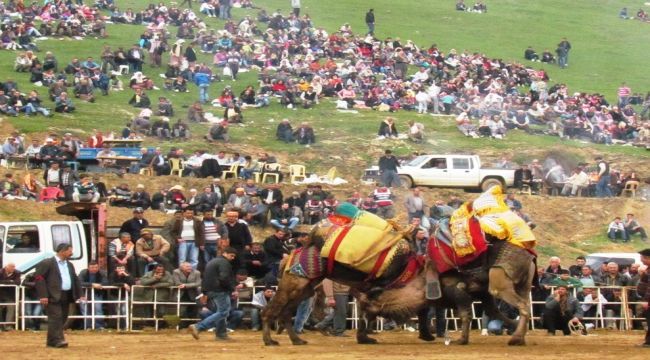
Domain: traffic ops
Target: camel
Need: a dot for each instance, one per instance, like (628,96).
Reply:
(503,269)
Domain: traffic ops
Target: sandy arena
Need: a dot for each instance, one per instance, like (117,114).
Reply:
(248,345)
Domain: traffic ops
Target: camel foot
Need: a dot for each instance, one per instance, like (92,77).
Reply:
(366,340)
(461,342)
(271,343)
(299,342)
(517,341)
(426,337)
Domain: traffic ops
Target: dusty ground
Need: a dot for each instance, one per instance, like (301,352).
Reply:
(248,345)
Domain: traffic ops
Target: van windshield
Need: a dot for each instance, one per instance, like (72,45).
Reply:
(22,239)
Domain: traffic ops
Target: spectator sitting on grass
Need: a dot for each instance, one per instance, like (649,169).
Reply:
(63,104)
(304,134)
(616,230)
(632,227)
(218,131)
(284,131)
(140,99)
(531,54)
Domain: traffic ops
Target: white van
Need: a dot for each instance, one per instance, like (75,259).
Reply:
(622,259)
(28,243)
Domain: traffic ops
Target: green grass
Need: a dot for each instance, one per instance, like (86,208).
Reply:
(598,62)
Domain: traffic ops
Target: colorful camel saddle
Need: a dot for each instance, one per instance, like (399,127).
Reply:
(359,240)
(441,248)
(461,239)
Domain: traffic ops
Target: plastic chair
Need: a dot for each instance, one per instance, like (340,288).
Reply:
(124,69)
(630,187)
(526,189)
(147,171)
(275,174)
(330,176)
(297,172)
(234,170)
(177,167)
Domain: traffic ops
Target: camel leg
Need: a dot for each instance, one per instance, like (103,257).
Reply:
(290,291)
(502,287)
(366,319)
(465,314)
(423,324)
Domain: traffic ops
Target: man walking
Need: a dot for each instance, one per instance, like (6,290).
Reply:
(295,5)
(370,21)
(57,286)
(604,179)
(388,165)
(562,52)
(218,285)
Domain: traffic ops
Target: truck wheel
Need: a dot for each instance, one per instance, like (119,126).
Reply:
(406,181)
(488,183)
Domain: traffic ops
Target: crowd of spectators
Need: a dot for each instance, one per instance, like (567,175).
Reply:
(570,294)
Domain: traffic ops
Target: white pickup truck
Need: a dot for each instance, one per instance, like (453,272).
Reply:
(459,171)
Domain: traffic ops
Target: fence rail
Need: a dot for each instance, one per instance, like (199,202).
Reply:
(152,305)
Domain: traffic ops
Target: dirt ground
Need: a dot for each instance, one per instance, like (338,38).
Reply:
(248,345)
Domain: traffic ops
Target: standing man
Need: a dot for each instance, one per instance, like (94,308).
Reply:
(135,225)
(214,230)
(388,165)
(643,290)
(188,2)
(218,285)
(336,296)
(415,205)
(57,286)
(370,21)
(190,237)
(295,4)
(604,179)
(562,52)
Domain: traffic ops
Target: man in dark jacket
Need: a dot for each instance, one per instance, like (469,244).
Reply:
(255,261)
(135,225)
(238,232)
(274,249)
(57,286)
(218,285)
(95,279)
(561,308)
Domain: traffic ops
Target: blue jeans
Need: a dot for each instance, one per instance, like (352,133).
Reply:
(371,28)
(618,234)
(602,187)
(221,303)
(203,94)
(33,310)
(337,318)
(292,223)
(86,310)
(302,314)
(256,320)
(223,12)
(209,252)
(390,178)
(188,251)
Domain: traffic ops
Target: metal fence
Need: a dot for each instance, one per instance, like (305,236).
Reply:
(156,305)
